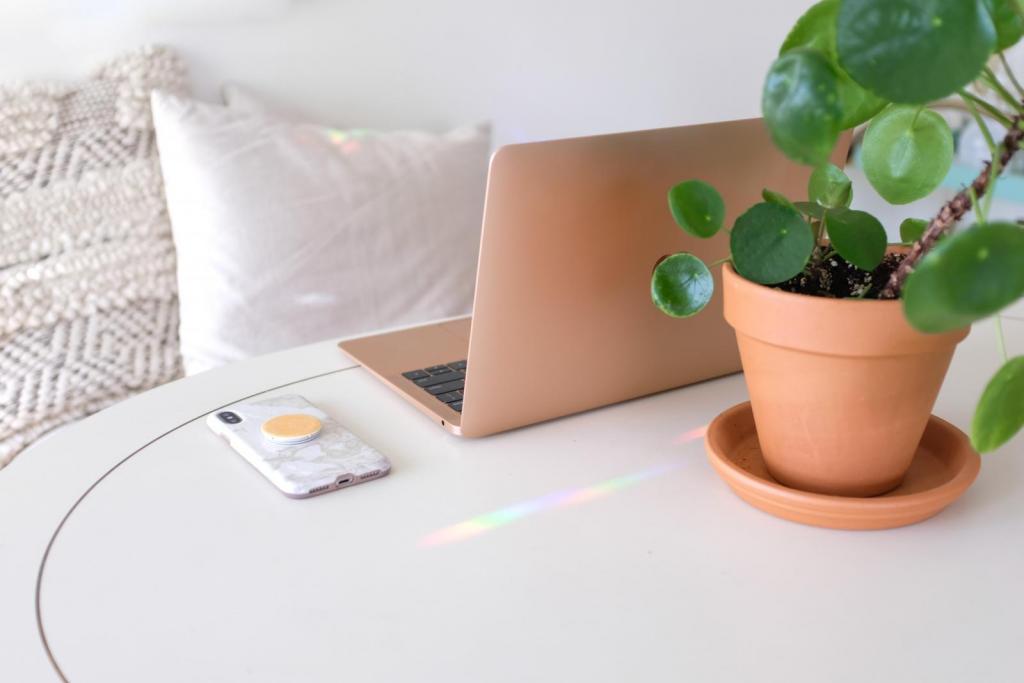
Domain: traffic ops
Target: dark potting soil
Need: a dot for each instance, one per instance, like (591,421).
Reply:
(834,278)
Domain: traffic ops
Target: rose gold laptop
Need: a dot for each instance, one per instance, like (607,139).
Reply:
(563,320)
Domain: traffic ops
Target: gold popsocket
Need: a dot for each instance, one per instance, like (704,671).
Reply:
(291,429)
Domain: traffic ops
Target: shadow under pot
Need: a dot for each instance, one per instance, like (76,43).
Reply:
(841,389)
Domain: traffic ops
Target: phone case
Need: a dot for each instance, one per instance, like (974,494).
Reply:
(335,459)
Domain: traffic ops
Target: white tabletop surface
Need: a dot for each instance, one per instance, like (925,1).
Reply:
(600,547)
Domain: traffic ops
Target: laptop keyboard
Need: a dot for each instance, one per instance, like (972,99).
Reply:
(444,382)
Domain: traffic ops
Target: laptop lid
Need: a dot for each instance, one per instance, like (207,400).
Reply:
(563,320)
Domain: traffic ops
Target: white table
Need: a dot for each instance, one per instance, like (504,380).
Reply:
(613,553)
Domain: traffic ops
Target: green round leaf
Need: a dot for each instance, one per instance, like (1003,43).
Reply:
(857,236)
(907,153)
(912,228)
(830,187)
(801,105)
(914,51)
(1008,22)
(858,104)
(770,243)
(697,208)
(812,209)
(817,29)
(1000,412)
(776,198)
(681,285)
(965,277)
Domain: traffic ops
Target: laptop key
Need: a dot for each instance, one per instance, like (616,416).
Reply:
(450,396)
(457,406)
(449,376)
(446,387)
(415,374)
(438,369)
(458,365)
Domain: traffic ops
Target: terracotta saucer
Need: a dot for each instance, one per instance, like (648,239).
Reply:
(945,465)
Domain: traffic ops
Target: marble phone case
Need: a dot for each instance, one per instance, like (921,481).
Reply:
(337,458)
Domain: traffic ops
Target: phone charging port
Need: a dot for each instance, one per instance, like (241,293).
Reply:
(343,481)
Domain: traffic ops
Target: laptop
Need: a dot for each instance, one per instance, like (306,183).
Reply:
(562,318)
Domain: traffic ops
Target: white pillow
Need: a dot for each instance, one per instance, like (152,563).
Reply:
(241,98)
(290,233)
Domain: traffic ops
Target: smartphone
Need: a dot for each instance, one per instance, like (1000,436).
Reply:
(298,447)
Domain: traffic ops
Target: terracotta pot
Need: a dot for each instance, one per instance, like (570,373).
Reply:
(841,389)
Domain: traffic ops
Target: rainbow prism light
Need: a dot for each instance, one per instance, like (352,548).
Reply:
(552,501)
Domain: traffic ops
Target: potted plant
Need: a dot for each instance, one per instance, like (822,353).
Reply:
(845,340)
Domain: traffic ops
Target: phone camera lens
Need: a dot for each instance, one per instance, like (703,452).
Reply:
(229,417)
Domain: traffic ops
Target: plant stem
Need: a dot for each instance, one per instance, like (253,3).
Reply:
(719,262)
(913,124)
(990,78)
(986,202)
(979,210)
(953,210)
(1010,74)
(970,100)
(1000,339)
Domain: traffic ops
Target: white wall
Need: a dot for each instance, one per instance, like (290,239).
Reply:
(538,68)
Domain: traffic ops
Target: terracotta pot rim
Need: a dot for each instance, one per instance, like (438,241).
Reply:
(826,326)
(884,303)
(770,290)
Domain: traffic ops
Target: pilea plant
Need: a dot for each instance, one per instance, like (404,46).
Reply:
(844,64)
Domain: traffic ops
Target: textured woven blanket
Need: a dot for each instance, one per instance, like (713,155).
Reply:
(88,305)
